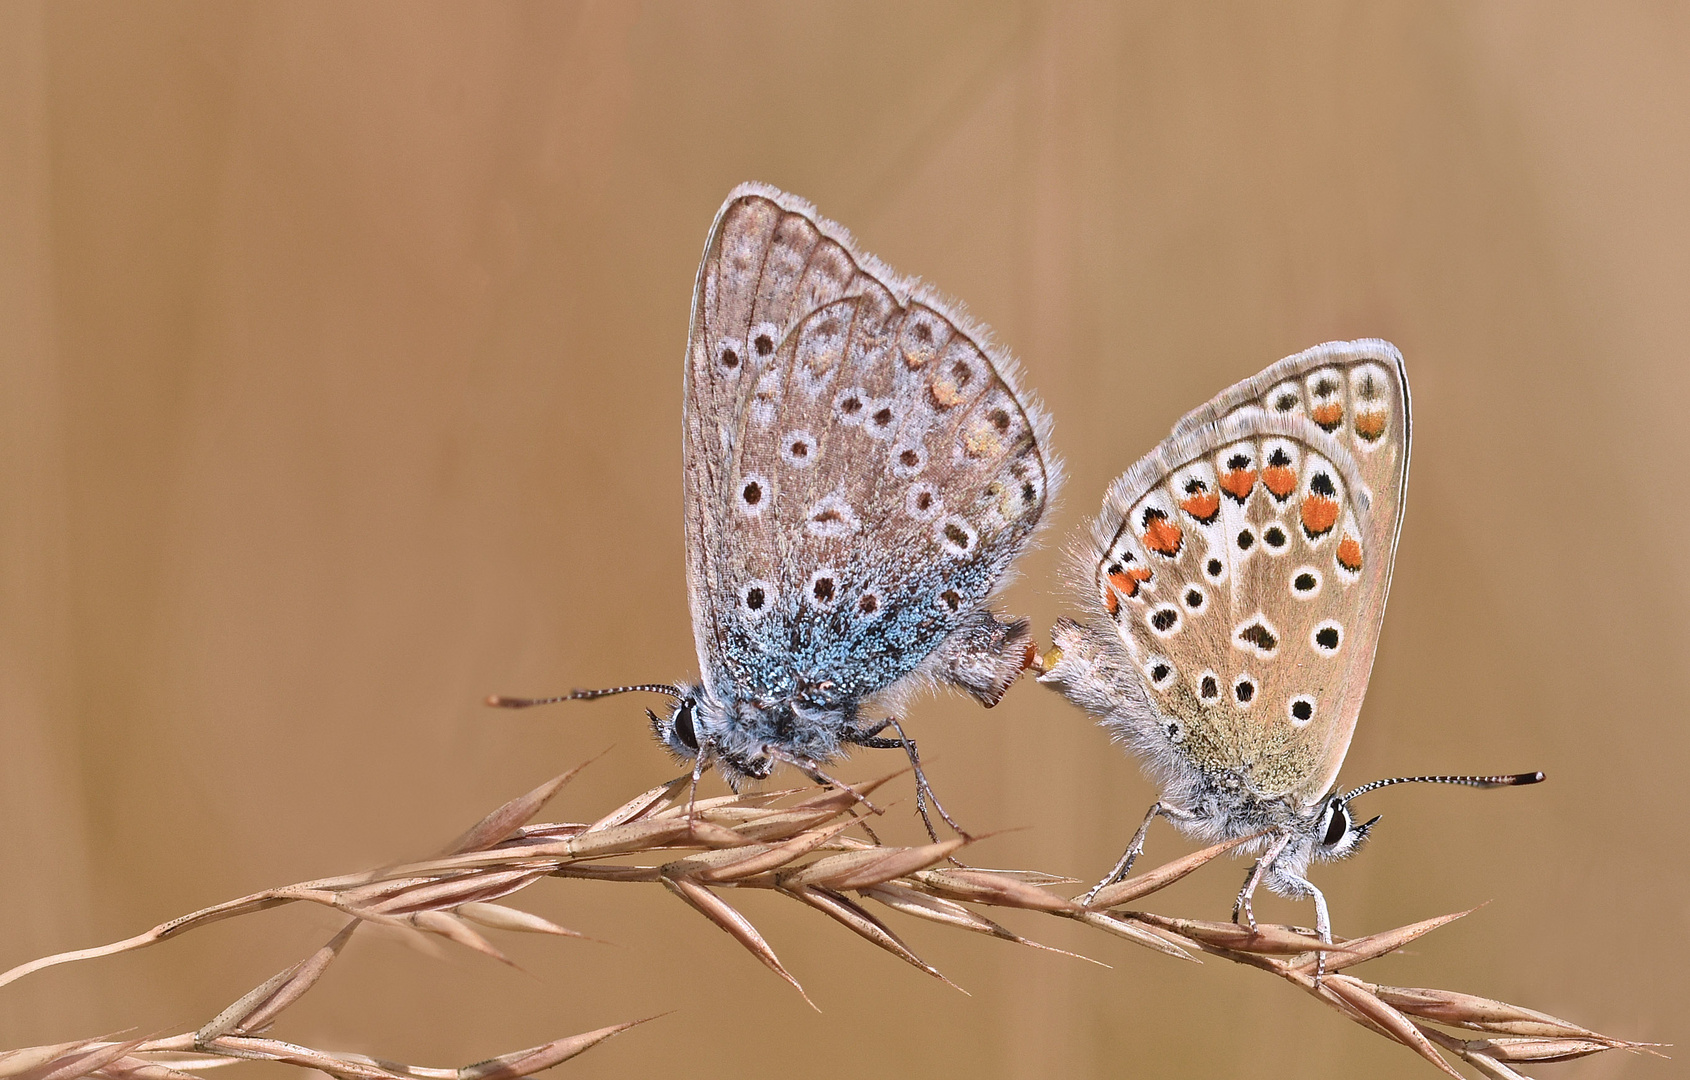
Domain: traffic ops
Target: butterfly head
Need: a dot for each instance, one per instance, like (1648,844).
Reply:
(1337,832)
(696,727)
(681,727)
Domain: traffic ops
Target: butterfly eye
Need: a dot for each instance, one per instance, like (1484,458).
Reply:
(1337,824)
(684,730)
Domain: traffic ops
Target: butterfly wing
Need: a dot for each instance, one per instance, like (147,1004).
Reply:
(1245,564)
(860,471)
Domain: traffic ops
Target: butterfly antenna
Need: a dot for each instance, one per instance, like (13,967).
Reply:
(1509,780)
(502,702)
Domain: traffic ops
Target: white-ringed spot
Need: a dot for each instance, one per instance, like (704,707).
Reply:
(851,405)
(1256,635)
(880,419)
(1305,583)
(921,502)
(798,449)
(1160,671)
(754,494)
(763,339)
(956,536)
(824,589)
(728,358)
(757,597)
(1163,620)
(831,516)
(1327,637)
(1244,690)
(1301,710)
(907,461)
(1208,687)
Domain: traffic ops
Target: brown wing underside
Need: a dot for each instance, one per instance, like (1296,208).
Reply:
(828,412)
(1246,563)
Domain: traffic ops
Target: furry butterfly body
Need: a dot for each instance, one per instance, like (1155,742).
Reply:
(1235,583)
(860,474)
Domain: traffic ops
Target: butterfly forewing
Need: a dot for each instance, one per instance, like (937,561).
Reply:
(859,477)
(1245,564)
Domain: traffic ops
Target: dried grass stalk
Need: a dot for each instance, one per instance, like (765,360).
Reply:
(795,843)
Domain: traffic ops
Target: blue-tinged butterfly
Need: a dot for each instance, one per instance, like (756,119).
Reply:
(860,472)
(1235,584)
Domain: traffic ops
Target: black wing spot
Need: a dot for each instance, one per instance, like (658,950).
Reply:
(923,333)
(999,419)
(1193,599)
(1238,461)
(752,493)
(730,359)
(910,458)
(1210,689)
(823,590)
(868,605)
(923,500)
(764,345)
(800,449)
(1164,618)
(851,405)
(882,417)
(1303,582)
(754,599)
(1279,459)
(1326,637)
(1244,691)
(1260,636)
(957,535)
(1302,709)
(1275,536)
(1160,672)
(1214,568)
(1286,402)
(1322,485)
(951,599)
(1246,539)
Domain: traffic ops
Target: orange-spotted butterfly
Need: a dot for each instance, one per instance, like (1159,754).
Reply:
(1235,584)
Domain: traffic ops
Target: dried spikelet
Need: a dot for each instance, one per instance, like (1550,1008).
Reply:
(797,843)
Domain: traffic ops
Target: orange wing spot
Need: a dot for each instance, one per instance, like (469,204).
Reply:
(1328,415)
(1203,506)
(1371,425)
(1238,483)
(1279,480)
(1349,554)
(945,393)
(1163,537)
(1128,581)
(1319,515)
(1111,602)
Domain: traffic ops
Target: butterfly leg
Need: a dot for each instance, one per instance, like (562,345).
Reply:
(1124,865)
(1322,918)
(814,772)
(1257,873)
(924,793)
(869,737)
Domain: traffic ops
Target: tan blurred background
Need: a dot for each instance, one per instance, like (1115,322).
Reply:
(341,387)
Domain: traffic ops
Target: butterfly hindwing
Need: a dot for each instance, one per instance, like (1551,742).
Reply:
(1245,564)
(859,477)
